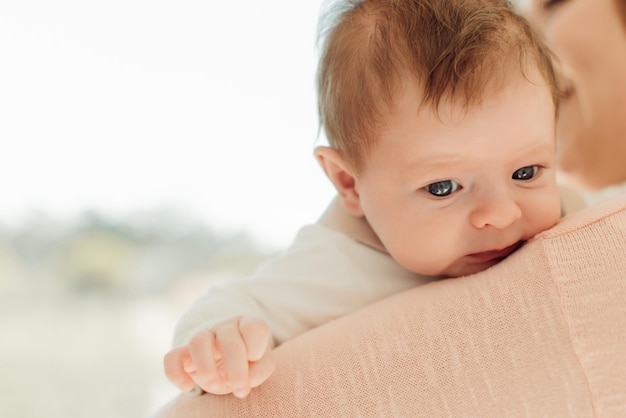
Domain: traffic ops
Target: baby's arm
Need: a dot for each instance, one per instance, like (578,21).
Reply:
(231,357)
(324,275)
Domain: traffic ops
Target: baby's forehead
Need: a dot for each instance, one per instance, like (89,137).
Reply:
(460,99)
(516,109)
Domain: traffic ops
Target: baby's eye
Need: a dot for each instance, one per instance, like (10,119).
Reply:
(525,173)
(442,188)
(547,4)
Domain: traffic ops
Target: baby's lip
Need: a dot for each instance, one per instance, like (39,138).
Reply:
(566,90)
(495,254)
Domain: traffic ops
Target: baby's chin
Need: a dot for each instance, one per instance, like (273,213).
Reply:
(467,269)
(465,266)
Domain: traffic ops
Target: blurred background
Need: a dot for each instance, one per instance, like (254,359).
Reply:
(147,150)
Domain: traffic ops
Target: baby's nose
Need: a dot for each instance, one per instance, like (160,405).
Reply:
(498,210)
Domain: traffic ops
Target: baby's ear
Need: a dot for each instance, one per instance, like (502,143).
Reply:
(342,176)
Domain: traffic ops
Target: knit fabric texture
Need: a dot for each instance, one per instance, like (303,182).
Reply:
(542,334)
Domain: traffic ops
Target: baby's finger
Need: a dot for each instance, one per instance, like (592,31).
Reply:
(203,352)
(256,335)
(174,365)
(262,369)
(235,358)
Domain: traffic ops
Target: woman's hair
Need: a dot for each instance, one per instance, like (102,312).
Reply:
(452,49)
(621,8)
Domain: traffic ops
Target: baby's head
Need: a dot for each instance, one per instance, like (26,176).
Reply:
(440,120)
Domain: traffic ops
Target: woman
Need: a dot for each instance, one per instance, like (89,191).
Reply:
(588,38)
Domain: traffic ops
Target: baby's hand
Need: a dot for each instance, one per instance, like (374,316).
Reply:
(233,356)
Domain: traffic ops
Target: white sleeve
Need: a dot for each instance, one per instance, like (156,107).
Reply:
(323,275)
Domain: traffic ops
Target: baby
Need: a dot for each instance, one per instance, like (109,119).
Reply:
(440,120)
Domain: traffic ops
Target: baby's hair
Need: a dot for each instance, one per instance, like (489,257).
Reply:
(452,49)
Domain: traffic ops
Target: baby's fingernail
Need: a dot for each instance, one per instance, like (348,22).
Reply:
(189,367)
(241,393)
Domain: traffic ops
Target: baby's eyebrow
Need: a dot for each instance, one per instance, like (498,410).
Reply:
(425,166)
(540,150)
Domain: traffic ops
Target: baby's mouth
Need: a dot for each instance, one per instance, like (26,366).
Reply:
(495,254)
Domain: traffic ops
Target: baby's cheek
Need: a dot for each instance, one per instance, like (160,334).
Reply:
(418,259)
(546,212)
